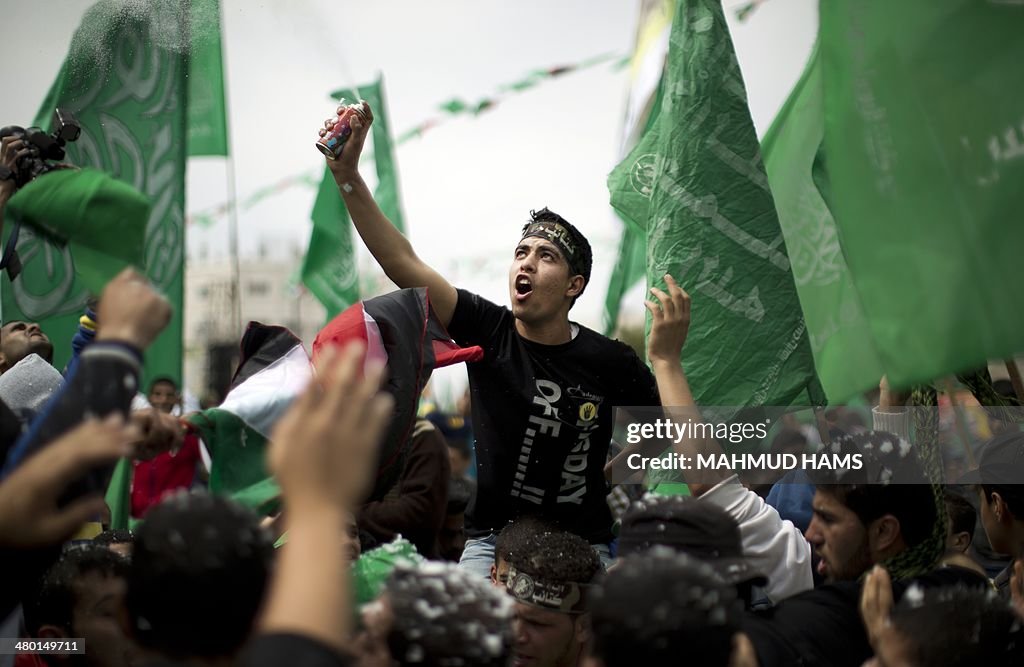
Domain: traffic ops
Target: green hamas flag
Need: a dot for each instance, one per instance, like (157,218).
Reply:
(207,120)
(841,341)
(103,219)
(124,78)
(696,183)
(924,139)
(329,269)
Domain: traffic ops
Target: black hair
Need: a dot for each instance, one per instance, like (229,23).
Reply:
(658,605)
(367,542)
(515,533)
(163,379)
(1012,495)
(51,601)
(446,616)
(890,480)
(786,439)
(199,569)
(460,490)
(558,557)
(957,625)
(963,518)
(585,262)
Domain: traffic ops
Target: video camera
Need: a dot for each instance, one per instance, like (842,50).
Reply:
(43,147)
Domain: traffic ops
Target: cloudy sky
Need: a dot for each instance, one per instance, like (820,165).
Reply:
(467,184)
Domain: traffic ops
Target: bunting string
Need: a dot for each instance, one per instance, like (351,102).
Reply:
(448,110)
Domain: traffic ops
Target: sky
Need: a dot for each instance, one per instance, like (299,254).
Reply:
(468,184)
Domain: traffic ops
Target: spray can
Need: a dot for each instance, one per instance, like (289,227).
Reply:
(332,143)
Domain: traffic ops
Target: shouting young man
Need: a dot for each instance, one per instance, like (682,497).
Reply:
(543,394)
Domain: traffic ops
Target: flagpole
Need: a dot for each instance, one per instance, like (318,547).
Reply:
(229,174)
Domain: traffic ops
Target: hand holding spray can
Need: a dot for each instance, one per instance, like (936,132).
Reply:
(333,138)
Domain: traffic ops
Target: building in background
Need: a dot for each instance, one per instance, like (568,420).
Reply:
(270,294)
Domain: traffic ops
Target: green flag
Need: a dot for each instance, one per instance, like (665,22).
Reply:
(696,183)
(103,219)
(329,269)
(124,78)
(924,138)
(844,351)
(207,120)
(630,268)
(118,496)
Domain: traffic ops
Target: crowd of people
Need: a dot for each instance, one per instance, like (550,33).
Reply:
(521,557)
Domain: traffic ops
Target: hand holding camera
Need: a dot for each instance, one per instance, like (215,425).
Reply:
(28,153)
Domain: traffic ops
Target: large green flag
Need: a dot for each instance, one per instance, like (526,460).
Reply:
(696,183)
(924,138)
(841,341)
(207,118)
(329,269)
(125,79)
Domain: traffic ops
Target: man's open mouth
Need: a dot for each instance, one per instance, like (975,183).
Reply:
(523,286)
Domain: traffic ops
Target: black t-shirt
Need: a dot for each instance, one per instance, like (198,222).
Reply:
(823,626)
(542,420)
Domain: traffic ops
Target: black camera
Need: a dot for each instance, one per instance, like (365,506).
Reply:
(43,147)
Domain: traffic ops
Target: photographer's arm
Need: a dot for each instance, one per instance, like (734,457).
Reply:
(392,251)
(12,149)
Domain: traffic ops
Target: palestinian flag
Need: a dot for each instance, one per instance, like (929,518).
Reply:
(273,370)
(398,328)
(402,330)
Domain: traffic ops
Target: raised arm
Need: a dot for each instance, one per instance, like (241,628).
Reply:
(392,251)
(670,322)
(12,149)
(773,546)
(323,454)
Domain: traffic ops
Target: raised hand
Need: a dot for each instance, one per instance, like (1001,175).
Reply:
(876,603)
(324,449)
(670,322)
(347,164)
(131,310)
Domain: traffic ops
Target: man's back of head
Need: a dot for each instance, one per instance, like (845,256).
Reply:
(199,569)
(441,615)
(951,626)
(698,529)
(659,606)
